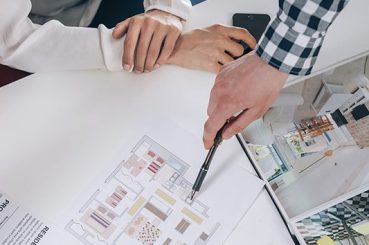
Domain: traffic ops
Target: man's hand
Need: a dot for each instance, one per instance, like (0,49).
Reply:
(210,48)
(150,39)
(247,85)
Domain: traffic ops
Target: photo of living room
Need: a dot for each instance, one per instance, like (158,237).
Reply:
(316,151)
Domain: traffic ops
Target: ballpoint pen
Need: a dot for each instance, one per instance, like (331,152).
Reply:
(205,166)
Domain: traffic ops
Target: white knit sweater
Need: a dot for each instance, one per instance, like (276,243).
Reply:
(55,47)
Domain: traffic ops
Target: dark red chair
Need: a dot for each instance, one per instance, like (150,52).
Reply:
(9,75)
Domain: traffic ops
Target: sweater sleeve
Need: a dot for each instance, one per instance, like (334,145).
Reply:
(180,8)
(53,46)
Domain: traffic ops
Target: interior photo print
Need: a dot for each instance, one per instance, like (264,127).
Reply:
(344,223)
(319,147)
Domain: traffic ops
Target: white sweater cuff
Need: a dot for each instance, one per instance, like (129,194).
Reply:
(112,49)
(180,8)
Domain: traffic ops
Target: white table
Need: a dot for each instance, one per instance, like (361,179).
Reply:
(53,122)
(60,129)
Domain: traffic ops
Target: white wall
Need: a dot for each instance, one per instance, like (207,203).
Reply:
(346,170)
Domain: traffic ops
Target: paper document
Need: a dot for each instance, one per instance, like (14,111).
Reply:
(20,227)
(144,198)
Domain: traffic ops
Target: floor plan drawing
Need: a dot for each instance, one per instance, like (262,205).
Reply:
(145,201)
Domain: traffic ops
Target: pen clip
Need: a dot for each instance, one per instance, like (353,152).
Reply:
(218,137)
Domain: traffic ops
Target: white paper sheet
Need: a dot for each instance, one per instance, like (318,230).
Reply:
(143,197)
(18,226)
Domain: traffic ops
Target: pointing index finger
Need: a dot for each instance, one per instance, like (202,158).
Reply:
(215,122)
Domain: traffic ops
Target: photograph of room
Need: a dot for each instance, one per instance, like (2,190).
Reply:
(316,151)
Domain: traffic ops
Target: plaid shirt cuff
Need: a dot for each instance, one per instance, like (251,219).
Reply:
(293,40)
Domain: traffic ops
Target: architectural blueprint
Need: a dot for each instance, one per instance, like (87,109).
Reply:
(145,201)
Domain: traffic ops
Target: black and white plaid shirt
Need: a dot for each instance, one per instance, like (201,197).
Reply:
(293,39)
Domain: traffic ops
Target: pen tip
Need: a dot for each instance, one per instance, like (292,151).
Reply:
(192,195)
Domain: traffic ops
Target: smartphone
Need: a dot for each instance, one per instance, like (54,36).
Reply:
(254,23)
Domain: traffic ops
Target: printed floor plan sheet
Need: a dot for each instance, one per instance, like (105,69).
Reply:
(142,198)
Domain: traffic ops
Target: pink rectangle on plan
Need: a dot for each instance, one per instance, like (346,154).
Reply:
(131,162)
(137,169)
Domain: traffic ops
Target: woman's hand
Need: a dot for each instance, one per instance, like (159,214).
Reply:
(150,39)
(210,48)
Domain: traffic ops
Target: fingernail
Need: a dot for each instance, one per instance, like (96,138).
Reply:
(147,71)
(138,71)
(127,67)
(156,66)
